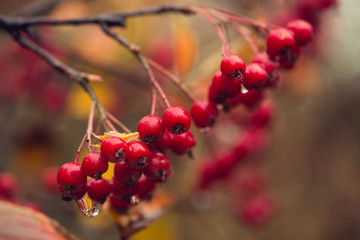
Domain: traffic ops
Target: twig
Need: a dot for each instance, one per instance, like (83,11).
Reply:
(135,50)
(244,32)
(79,148)
(89,129)
(224,42)
(173,78)
(153,101)
(116,121)
(72,74)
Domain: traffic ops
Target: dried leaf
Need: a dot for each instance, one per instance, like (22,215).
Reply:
(23,223)
(141,215)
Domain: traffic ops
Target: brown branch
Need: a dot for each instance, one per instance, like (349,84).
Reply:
(72,74)
(135,50)
(172,78)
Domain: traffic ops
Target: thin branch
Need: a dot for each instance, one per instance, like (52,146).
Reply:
(172,77)
(79,148)
(153,101)
(244,32)
(224,42)
(135,50)
(110,19)
(72,74)
(89,129)
(116,121)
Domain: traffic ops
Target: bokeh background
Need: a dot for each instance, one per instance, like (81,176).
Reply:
(312,162)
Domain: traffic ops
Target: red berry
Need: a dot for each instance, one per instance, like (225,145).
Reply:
(262,116)
(254,77)
(113,149)
(144,187)
(302,31)
(159,168)
(288,61)
(271,68)
(263,58)
(138,155)
(222,88)
(120,190)
(183,143)
(256,210)
(98,190)
(119,204)
(71,181)
(176,120)
(150,128)
(233,66)
(163,143)
(9,186)
(279,42)
(67,195)
(93,165)
(204,113)
(125,175)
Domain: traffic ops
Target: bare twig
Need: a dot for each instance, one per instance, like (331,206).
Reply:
(135,50)
(172,78)
(72,74)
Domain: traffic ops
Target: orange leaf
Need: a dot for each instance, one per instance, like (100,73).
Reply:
(22,223)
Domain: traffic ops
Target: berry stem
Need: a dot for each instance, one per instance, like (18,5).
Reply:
(135,50)
(89,129)
(172,77)
(245,33)
(79,148)
(204,12)
(153,102)
(117,122)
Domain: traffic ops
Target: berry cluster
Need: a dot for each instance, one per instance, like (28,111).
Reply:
(237,83)
(138,165)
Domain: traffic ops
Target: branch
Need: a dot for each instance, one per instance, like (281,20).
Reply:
(72,74)
(135,50)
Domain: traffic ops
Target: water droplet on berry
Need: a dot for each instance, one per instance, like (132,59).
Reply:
(89,209)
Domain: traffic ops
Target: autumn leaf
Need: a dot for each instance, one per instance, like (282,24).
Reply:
(22,223)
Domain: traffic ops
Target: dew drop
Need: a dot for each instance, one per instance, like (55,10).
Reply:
(91,209)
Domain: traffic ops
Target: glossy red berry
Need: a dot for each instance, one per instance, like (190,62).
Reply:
(159,168)
(163,143)
(204,113)
(113,149)
(232,66)
(222,88)
(302,30)
(264,59)
(183,143)
(144,187)
(279,42)
(138,155)
(71,181)
(93,165)
(98,190)
(71,177)
(288,61)
(271,68)
(251,98)
(125,175)
(9,186)
(254,77)
(176,120)
(120,190)
(119,204)
(150,128)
